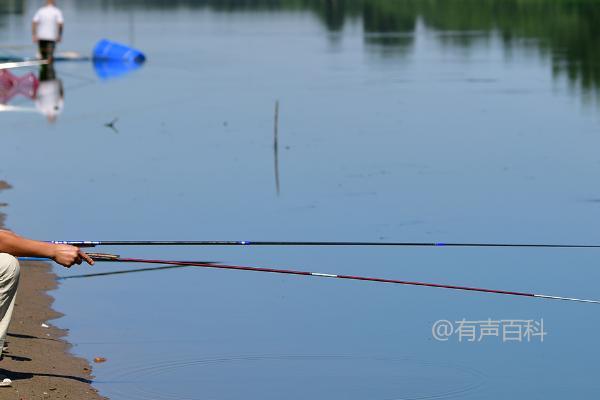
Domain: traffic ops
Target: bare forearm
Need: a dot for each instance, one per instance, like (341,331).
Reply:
(20,247)
(34,30)
(63,254)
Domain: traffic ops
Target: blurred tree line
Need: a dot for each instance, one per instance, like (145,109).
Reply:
(565,31)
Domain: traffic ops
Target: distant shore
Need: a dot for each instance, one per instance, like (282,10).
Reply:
(38,359)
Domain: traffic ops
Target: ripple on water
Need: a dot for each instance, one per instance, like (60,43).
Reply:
(292,377)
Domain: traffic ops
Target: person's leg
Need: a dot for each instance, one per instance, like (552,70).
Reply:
(9,281)
(47,73)
(46,48)
(42,49)
(51,46)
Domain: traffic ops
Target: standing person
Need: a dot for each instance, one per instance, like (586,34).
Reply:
(47,28)
(12,246)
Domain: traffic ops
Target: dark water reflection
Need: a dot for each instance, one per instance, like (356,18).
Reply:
(564,32)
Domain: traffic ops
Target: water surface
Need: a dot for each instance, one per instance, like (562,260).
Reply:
(420,121)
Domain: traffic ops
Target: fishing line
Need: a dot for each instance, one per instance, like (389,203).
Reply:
(203,264)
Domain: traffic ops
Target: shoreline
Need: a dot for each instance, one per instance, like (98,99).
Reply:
(38,359)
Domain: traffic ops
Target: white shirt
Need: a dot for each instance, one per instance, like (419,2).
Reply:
(47,19)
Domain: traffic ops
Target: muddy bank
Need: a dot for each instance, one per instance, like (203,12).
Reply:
(38,359)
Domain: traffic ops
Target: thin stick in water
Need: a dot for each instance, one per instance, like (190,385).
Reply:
(276,146)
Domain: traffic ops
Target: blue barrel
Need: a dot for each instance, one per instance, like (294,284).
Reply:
(109,50)
(108,69)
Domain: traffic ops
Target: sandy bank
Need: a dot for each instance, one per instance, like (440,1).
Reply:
(38,359)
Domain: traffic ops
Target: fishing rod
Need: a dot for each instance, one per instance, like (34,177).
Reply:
(20,64)
(7,108)
(205,264)
(84,243)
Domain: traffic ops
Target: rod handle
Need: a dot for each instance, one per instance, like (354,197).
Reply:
(103,256)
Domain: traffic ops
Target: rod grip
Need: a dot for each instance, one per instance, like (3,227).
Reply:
(103,257)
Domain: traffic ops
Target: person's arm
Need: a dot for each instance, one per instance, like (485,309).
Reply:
(64,255)
(61,26)
(34,25)
(60,32)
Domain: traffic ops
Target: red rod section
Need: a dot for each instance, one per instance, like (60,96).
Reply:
(306,273)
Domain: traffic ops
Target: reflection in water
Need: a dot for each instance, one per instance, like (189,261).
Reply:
(276,147)
(13,86)
(109,69)
(50,99)
(47,92)
(12,7)
(565,32)
(3,186)
(121,272)
(372,154)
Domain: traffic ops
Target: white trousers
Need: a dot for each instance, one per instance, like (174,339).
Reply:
(9,281)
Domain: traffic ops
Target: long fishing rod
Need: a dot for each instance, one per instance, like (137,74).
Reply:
(205,264)
(7,108)
(20,64)
(85,243)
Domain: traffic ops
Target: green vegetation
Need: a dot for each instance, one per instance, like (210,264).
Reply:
(565,31)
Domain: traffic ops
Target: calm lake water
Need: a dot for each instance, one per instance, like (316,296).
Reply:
(399,120)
